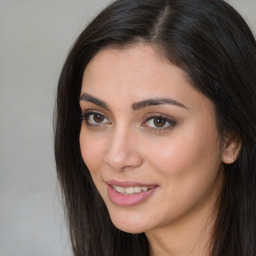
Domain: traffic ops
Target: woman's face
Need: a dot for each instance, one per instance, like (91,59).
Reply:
(149,140)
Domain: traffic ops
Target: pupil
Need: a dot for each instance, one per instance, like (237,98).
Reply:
(159,122)
(98,118)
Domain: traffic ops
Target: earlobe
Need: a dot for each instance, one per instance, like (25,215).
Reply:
(231,150)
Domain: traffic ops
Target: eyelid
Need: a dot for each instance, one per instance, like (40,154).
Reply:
(149,116)
(172,122)
(94,111)
(161,115)
(88,112)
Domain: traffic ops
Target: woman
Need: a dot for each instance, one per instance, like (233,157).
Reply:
(156,131)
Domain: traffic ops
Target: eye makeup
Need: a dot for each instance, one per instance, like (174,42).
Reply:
(154,121)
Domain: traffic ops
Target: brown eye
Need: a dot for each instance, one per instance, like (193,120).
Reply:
(93,118)
(159,122)
(97,118)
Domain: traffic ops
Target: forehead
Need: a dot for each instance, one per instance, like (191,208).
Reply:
(135,73)
(135,59)
(128,65)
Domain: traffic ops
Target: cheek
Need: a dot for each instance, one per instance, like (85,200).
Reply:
(188,172)
(191,151)
(91,151)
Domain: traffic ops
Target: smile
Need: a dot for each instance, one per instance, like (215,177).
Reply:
(131,190)
(129,193)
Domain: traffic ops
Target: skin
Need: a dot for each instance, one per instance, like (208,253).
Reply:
(184,159)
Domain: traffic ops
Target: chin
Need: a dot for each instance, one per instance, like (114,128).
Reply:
(130,224)
(133,229)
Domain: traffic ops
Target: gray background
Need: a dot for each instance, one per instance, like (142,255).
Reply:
(35,36)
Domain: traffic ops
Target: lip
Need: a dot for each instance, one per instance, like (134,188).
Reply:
(129,184)
(129,200)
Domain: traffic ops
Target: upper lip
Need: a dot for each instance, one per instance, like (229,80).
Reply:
(129,184)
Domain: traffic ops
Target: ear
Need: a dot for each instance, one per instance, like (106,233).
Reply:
(232,146)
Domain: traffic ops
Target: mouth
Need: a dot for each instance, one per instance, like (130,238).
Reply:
(131,190)
(129,193)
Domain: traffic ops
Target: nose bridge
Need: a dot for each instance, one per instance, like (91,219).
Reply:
(122,152)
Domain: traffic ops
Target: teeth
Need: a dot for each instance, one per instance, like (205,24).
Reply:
(137,189)
(120,189)
(130,190)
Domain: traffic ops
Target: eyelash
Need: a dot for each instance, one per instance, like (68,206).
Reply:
(171,123)
(86,115)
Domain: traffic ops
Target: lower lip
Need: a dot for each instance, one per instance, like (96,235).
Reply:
(128,200)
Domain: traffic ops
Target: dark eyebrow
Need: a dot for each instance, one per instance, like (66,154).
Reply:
(136,105)
(90,98)
(156,101)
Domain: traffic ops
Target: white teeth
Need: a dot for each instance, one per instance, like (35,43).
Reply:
(137,189)
(130,190)
(120,189)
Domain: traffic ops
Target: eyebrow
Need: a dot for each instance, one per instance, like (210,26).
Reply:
(96,101)
(156,101)
(135,106)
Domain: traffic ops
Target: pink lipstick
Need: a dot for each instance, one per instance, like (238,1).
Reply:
(129,193)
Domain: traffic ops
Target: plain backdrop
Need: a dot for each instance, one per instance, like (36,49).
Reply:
(35,36)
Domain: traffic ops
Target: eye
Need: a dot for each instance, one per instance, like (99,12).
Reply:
(95,119)
(159,123)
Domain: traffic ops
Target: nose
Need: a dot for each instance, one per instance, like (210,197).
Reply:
(122,152)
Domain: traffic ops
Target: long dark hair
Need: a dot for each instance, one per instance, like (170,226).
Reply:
(211,42)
